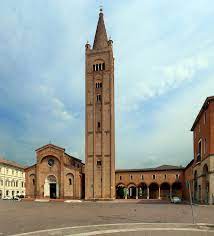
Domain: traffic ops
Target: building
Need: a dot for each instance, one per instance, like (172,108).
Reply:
(99,116)
(203,144)
(12,179)
(161,182)
(56,174)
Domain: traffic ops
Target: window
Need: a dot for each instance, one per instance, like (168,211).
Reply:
(70,181)
(98,85)
(17,183)
(99,163)
(7,171)
(98,125)
(33,181)
(99,67)
(142,177)
(130,176)
(199,152)
(153,177)
(7,192)
(164,176)
(98,98)
(120,177)
(177,177)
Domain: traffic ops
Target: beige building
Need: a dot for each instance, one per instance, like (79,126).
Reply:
(12,179)
(99,116)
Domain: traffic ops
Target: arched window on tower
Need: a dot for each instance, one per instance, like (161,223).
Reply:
(98,98)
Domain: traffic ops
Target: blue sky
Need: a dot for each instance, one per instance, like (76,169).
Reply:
(164,70)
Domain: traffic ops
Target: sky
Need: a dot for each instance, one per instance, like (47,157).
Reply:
(164,70)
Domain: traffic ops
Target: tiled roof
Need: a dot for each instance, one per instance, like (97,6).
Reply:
(163,167)
(11,163)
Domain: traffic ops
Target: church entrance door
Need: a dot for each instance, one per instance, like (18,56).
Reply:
(53,190)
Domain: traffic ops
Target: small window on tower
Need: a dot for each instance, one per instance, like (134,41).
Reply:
(100,85)
(98,125)
(103,66)
(94,68)
(99,163)
(70,181)
(98,98)
(97,67)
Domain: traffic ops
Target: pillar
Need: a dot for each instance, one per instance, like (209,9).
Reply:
(126,193)
(147,192)
(136,192)
(159,197)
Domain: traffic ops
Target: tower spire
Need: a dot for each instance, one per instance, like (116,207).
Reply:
(100,39)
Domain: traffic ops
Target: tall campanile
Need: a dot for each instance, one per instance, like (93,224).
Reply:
(99,116)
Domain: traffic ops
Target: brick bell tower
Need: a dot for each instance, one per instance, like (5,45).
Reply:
(99,117)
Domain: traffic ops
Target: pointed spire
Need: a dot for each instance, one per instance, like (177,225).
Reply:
(100,39)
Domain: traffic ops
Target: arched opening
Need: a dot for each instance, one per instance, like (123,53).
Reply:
(132,192)
(120,191)
(51,187)
(165,191)
(142,191)
(177,189)
(205,185)
(153,191)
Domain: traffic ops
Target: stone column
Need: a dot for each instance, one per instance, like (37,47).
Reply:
(159,196)
(136,192)
(126,193)
(147,192)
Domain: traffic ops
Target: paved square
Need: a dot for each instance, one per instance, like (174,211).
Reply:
(20,217)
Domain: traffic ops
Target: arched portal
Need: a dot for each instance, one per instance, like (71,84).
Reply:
(120,191)
(51,188)
(177,189)
(165,191)
(205,185)
(132,191)
(142,191)
(153,191)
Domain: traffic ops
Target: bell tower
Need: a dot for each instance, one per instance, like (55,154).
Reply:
(99,116)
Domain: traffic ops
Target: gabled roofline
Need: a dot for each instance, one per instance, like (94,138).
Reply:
(50,145)
(203,108)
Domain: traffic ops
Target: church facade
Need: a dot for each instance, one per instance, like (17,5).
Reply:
(57,174)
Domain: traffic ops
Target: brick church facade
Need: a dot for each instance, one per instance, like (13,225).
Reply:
(57,174)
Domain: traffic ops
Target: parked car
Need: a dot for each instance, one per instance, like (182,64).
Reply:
(17,198)
(175,200)
(6,198)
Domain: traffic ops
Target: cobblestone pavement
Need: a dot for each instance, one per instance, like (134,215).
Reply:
(20,217)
